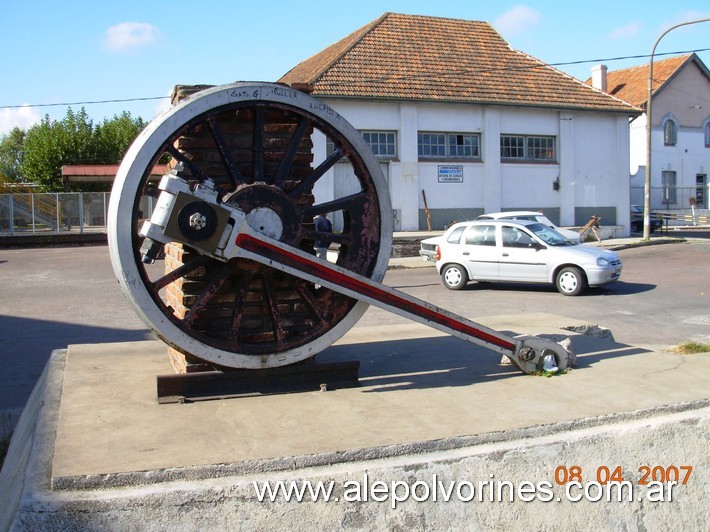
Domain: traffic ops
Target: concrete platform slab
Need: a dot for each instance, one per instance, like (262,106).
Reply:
(423,397)
(417,386)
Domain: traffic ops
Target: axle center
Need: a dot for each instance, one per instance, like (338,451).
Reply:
(266,221)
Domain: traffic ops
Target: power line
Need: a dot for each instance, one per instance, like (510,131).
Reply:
(567,63)
(119,100)
(646,56)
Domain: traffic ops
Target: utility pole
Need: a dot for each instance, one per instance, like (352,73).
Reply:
(647,184)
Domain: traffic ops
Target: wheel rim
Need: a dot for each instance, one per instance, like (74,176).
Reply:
(568,282)
(246,315)
(452,276)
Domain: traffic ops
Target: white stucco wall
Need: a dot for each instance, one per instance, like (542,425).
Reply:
(592,165)
(684,99)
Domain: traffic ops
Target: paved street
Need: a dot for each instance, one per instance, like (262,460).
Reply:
(53,297)
(663,297)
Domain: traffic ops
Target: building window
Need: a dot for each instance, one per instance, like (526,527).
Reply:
(707,135)
(382,143)
(512,147)
(449,145)
(527,148)
(431,144)
(669,187)
(670,133)
(700,187)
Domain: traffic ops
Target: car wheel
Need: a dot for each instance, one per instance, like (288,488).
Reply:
(571,281)
(635,227)
(454,277)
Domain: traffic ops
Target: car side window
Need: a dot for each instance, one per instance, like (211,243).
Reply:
(515,238)
(455,235)
(481,235)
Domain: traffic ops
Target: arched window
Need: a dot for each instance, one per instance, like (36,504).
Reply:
(670,133)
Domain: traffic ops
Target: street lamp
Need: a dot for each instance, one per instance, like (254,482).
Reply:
(647,184)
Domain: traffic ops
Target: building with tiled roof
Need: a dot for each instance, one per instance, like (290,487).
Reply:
(405,57)
(453,111)
(680,133)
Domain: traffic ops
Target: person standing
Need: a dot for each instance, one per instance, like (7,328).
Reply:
(322,225)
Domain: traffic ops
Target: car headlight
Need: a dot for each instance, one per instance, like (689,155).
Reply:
(601,261)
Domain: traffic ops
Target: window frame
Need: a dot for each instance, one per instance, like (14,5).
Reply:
(381,142)
(669,184)
(670,132)
(449,145)
(330,146)
(527,148)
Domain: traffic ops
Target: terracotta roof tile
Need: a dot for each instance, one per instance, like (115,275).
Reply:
(631,84)
(412,57)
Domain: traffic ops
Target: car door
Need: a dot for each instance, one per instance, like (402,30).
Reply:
(522,257)
(480,251)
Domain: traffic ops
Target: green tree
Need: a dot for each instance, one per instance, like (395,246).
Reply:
(113,137)
(50,145)
(11,154)
(43,155)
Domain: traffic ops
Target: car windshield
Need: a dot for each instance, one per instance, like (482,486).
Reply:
(549,235)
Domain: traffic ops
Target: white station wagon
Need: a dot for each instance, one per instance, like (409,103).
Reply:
(521,251)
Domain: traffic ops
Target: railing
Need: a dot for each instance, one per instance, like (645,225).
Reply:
(80,212)
(671,198)
(57,212)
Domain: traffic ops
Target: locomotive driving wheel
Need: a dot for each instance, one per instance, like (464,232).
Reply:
(266,152)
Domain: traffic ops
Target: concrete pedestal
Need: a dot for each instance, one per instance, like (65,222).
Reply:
(435,418)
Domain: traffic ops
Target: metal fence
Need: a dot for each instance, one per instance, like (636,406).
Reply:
(58,213)
(22,214)
(80,212)
(671,198)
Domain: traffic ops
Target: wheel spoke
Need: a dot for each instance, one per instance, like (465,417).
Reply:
(194,169)
(258,144)
(307,297)
(235,177)
(346,203)
(307,183)
(238,307)
(207,294)
(272,304)
(182,271)
(290,153)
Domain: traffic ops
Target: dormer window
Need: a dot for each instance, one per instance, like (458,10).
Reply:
(670,133)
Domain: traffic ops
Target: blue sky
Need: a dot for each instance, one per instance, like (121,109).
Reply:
(88,51)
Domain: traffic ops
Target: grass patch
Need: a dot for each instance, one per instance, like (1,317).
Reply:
(690,348)
(548,374)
